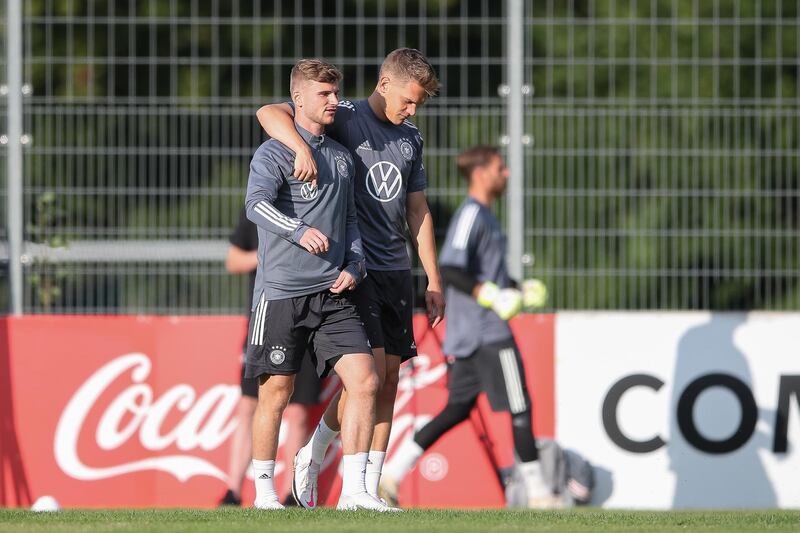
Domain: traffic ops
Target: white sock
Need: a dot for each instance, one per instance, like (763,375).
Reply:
(403,460)
(264,474)
(374,467)
(320,440)
(535,484)
(354,470)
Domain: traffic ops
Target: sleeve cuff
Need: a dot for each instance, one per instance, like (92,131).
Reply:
(356,271)
(298,233)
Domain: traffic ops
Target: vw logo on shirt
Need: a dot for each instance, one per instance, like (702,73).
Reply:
(384,181)
(308,191)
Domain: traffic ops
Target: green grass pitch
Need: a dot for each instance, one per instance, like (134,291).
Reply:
(329,520)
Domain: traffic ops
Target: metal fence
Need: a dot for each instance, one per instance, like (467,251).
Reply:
(664,172)
(660,157)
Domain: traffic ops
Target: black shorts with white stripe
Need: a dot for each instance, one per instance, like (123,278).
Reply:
(385,301)
(323,325)
(495,369)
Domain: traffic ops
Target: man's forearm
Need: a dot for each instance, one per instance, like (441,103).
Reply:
(262,213)
(354,255)
(420,223)
(239,261)
(278,121)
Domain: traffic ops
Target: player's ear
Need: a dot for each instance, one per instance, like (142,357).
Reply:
(383,85)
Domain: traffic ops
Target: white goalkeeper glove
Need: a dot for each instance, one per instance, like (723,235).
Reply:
(534,294)
(507,303)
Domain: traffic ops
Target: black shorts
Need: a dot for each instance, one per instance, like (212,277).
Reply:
(307,385)
(249,385)
(495,369)
(282,331)
(385,303)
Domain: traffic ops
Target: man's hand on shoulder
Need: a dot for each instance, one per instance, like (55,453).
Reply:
(344,282)
(305,167)
(314,241)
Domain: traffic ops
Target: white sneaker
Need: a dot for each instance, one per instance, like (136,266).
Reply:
(304,480)
(268,505)
(392,508)
(364,500)
(540,495)
(552,501)
(387,490)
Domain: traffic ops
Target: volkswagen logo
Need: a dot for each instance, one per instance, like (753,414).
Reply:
(384,181)
(308,191)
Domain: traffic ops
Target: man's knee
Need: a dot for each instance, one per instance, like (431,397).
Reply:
(275,391)
(366,386)
(371,384)
(357,372)
(389,386)
(379,356)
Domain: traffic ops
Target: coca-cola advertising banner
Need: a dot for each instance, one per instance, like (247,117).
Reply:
(139,411)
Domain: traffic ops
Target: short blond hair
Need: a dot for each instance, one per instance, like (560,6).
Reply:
(409,64)
(313,70)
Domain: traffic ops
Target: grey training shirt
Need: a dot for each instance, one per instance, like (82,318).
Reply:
(475,242)
(388,162)
(283,208)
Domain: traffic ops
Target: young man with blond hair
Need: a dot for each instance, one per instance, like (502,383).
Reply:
(390,197)
(309,260)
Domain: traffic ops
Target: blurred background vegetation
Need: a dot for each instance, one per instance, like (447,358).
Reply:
(662,171)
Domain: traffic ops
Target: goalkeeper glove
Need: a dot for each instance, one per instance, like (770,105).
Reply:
(534,294)
(507,303)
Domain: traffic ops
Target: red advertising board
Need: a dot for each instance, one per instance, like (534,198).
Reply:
(139,411)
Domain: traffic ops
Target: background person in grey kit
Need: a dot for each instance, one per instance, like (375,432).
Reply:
(390,195)
(478,340)
(309,258)
(242,258)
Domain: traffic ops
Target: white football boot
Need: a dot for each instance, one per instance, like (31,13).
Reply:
(387,490)
(363,500)
(540,495)
(304,480)
(268,505)
(392,508)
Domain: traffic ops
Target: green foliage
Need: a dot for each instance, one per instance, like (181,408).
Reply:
(45,278)
(663,173)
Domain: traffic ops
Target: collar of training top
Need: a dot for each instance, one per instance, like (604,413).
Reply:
(314,140)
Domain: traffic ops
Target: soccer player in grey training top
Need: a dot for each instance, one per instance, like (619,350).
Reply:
(390,195)
(309,260)
(481,299)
